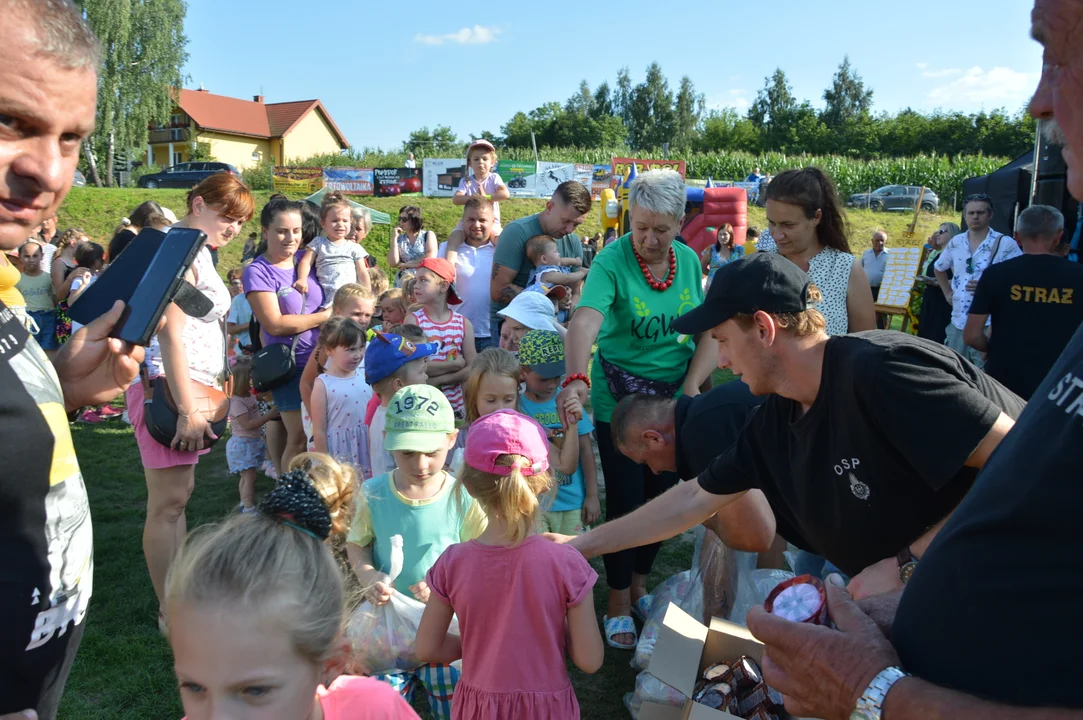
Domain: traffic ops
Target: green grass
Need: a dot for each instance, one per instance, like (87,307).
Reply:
(98,211)
(124,667)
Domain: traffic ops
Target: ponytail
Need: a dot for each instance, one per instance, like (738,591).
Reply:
(515,498)
(811,190)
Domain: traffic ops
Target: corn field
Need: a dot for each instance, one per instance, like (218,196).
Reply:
(944,175)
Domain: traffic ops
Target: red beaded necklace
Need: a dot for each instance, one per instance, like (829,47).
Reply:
(649,276)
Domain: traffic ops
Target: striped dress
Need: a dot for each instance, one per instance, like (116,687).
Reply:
(451,335)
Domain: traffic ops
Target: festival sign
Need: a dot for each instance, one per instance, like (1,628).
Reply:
(441,176)
(552,174)
(601,179)
(583,175)
(519,177)
(902,268)
(620,166)
(392,182)
(297,179)
(349,181)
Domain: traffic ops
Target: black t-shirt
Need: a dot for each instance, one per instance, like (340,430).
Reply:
(862,474)
(993,608)
(708,425)
(1035,303)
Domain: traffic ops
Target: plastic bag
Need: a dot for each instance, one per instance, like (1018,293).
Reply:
(684,590)
(384,638)
(651,689)
(752,589)
(721,568)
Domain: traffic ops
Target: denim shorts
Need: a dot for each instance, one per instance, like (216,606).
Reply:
(288,397)
(46,334)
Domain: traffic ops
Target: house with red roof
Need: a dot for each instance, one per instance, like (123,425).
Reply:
(244,133)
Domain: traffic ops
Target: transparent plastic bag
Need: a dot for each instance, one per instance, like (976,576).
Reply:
(651,689)
(752,589)
(684,590)
(721,569)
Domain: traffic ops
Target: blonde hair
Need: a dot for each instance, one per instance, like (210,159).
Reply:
(799,324)
(242,377)
(271,563)
(378,281)
(514,498)
(395,295)
(538,246)
(347,291)
(333,200)
(493,361)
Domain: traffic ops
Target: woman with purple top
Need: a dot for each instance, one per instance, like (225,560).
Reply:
(284,313)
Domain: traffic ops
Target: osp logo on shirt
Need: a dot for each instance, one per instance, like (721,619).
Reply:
(847,467)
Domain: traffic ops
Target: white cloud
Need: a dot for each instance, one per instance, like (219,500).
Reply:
(733,98)
(996,87)
(477,35)
(922,66)
(944,72)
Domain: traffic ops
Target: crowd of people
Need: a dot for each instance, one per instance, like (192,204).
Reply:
(433,434)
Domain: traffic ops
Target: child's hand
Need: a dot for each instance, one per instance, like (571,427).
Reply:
(421,591)
(592,509)
(301,285)
(379,592)
(573,409)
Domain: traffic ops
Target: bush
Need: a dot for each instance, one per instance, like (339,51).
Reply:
(259,177)
(136,173)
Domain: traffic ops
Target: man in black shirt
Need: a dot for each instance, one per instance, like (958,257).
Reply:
(1035,302)
(840,449)
(988,627)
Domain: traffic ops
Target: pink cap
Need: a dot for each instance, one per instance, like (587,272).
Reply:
(506,432)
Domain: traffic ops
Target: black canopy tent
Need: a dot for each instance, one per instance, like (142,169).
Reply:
(1009,187)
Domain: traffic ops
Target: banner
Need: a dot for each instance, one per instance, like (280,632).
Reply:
(441,176)
(297,179)
(620,166)
(551,174)
(601,179)
(350,181)
(584,175)
(391,182)
(751,188)
(519,177)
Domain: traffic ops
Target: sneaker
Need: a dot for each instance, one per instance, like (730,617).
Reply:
(241,508)
(124,416)
(108,411)
(269,469)
(92,416)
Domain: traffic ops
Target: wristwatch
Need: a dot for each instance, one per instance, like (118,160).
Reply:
(871,703)
(907,564)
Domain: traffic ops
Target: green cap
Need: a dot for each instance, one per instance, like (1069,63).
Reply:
(419,419)
(543,352)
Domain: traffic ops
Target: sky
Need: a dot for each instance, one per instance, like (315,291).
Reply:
(385,69)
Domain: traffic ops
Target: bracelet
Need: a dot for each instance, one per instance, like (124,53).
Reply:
(573,377)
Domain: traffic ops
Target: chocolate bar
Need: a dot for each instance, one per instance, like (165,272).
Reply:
(746,675)
(715,695)
(761,713)
(716,672)
(752,700)
(799,599)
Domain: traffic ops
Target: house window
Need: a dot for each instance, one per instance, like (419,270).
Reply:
(176,134)
(177,120)
(177,159)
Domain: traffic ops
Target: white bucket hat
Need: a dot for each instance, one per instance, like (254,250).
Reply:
(534,310)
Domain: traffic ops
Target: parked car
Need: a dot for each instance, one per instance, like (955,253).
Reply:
(79,180)
(186,175)
(895,197)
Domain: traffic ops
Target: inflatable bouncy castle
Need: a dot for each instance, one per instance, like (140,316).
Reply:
(708,209)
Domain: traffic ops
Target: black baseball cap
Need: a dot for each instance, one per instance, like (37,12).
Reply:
(762,281)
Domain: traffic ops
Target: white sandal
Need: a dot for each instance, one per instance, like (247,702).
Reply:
(618,626)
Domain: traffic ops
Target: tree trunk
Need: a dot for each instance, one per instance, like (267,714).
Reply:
(92,163)
(110,155)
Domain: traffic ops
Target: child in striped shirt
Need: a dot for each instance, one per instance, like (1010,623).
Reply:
(434,289)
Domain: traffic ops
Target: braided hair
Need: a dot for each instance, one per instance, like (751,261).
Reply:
(295,499)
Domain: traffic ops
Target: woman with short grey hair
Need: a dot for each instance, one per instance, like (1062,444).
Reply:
(636,287)
(361,224)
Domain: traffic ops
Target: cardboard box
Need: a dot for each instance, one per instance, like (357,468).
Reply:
(685,647)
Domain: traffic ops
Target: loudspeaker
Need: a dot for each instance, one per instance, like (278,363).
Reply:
(1050,160)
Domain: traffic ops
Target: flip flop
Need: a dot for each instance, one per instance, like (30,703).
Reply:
(617,626)
(641,608)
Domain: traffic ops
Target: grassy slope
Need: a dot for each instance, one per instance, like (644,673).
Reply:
(98,211)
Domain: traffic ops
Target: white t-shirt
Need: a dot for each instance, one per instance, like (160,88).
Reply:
(336,264)
(382,460)
(473,267)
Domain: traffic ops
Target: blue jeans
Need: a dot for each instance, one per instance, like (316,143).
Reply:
(810,564)
(485,343)
(955,341)
(288,397)
(46,334)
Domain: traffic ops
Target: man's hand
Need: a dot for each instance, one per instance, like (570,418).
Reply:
(592,509)
(421,591)
(558,538)
(94,368)
(882,608)
(822,672)
(971,286)
(876,579)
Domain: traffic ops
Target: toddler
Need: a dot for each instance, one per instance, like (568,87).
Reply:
(340,395)
(256,610)
(522,602)
(417,501)
(392,362)
(434,288)
(575,504)
(392,308)
(246,449)
(481,159)
(338,260)
(542,251)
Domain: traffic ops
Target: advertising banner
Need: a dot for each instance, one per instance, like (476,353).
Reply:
(584,174)
(350,181)
(601,178)
(620,166)
(551,174)
(441,176)
(392,182)
(519,177)
(297,179)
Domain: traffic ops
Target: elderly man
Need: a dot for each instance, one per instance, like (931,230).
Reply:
(987,627)
(1039,289)
(565,211)
(48,91)
(874,263)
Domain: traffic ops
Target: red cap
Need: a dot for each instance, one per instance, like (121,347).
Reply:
(506,432)
(480,144)
(446,271)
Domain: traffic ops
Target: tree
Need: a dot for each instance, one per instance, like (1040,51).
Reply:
(143,52)
(651,117)
(847,97)
(622,98)
(687,113)
(442,139)
(774,101)
(582,102)
(602,105)
(725,130)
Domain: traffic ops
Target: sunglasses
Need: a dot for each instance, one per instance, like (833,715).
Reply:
(403,218)
(978,196)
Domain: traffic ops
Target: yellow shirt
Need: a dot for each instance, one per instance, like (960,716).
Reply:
(9,278)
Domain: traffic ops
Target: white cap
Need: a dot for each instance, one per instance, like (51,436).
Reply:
(532,309)
(169,215)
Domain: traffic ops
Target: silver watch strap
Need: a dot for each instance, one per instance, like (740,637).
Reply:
(871,703)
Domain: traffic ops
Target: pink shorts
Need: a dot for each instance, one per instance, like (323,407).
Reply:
(155,456)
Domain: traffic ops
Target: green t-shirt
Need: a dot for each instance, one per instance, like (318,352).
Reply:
(511,252)
(637,333)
